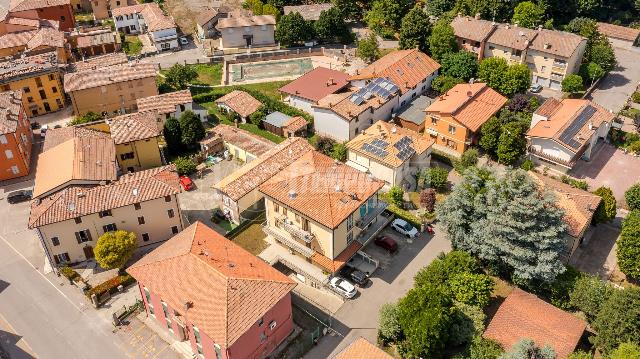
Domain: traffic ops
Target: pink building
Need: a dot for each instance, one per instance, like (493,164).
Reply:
(225,301)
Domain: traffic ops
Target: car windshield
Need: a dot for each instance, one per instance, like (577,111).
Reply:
(407,227)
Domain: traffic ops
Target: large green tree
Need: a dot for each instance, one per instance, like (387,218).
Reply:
(462,65)
(589,294)
(350,9)
(490,134)
(442,40)
(632,196)
(527,349)
(517,79)
(368,48)
(173,135)
(626,351)
(572,84)
(511,143)
(114,249)
(438,7)
(331,27)
(606,211)
(508,221)
(628,245)
(191,129)
(293,29)
(492,71)
(178,77)
(528,14)
(619,320)
(414,31)
(385,16)
(444,83)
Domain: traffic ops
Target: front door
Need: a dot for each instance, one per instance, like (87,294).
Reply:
(47,107)
(248,39)
(88,252)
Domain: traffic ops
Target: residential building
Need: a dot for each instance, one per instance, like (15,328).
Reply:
(284,125)
(102,9)
(137,140)
(54,10)
(410,70)
(94,42)
(111,90)
(342,116)
(40,79)
(147,19)
(362,349)
(309,12)
(564,131)
(226,303)
(92,63)
(550,54)
(321,210)
(524,316)
(16,137)
(238,192)
(453,121)
(579,207)
(172,104)
(70,221)
(56,136)
(305,91)
(390,153)
(247,31)
(412,116)
(242,145)
(239,102)
(29,42)
(207,21)
(619,36)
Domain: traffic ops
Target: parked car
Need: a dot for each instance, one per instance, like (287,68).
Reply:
(57,126)
(402,227)
(43,130)
(35,125)
(184,41)
(357,276)
(186,183)
(19,196)
(387,243)
(535,88)
(343,287)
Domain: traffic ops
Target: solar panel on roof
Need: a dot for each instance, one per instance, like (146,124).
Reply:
(569,133)
(357,100)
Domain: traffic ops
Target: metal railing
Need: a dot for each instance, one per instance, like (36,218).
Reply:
(369,217)
(288,242)
(294,230)
(552,158)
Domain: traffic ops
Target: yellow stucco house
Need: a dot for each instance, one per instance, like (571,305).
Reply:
(137,140)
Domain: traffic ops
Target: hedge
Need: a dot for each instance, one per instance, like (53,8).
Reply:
(110,285)
(401,213)
(69,273)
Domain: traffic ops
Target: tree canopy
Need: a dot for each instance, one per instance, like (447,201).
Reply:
(114,249)
(442,40)
(528,14)
(572,84)
(618,320)
(368,48)
(331,27)
(178,77)
(504,78)
(415,29)
(385,16)
(173,135)
(86,118)
(462,65)
(606,211)
(628,245)
(191,129)
(293,29)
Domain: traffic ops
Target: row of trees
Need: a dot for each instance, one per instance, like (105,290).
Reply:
(293,29)
(628,245)
(183,134)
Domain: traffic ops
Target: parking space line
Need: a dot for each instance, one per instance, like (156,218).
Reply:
(161,350)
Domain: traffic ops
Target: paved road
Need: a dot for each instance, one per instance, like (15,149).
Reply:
(614,90)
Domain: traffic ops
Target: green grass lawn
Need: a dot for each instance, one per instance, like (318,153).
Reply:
(209,74)
(215,112)
(83,17)
(252,239)
(132,45)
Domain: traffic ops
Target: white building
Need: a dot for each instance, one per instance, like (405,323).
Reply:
(172,104)
(150,20)
(247,31)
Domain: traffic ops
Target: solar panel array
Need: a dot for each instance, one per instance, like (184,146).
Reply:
(380,86)
(375,150)
(404,146)
(570,132)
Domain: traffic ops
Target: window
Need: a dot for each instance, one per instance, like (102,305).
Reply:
(78,220)
(51,77)
(147,295)
(15,170)
(272,324)
(62,18)
(165,45)
(196,334)
(167,316)
(263,337)
(83,236)
(54,89)
(260,321)
(174,229)
(167,198)
(284,211)
(29,99)
(170,213)
(137,206)
(543,68)
(111,227)
(218,350)
(3,139)
(127,156)
(106,213)
(452,129)
(61,258)
(145,237)
(55,241)
(140,220)
(26,89)
(38,82)
(9,154)
(297,217)
(434,121)
(276,207)
(263,27)
(349,222)
(491,47)
(349,237)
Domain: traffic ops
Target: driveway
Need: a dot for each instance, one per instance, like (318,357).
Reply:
(598,255)
(614,90)
(359,317)
(609,167)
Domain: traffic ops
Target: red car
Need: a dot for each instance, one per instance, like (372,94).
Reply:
(186,183)
(387,243)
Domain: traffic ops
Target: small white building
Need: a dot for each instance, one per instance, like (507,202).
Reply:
(172,104)
(147,19)
(247,31)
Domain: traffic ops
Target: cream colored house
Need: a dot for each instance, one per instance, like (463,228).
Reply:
(242,145)
(70,221)
(238,192)
(390,153)
(247,31)
(137,139)
(549,54)
(322,212)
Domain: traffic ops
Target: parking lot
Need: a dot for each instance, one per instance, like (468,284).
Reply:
(139,341)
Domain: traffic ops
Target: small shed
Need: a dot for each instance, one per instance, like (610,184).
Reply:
(284,125)
(212,143)
(412,115)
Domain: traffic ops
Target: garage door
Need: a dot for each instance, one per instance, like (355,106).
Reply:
(556,85)
(541,81)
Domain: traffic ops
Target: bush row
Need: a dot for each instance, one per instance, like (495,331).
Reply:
(110,285)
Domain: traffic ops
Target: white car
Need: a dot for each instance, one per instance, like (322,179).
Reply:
(401,226)
(43,130)
(184,41)
(343,287)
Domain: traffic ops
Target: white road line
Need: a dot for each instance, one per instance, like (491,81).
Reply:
(43,276)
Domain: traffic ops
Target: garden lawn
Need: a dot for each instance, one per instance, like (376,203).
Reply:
(132,45)
(268,88)
(252,239)
(215,112)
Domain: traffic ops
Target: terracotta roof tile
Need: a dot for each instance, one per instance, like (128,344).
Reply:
(309,12)
(334,265)
(316,84)
(229,289)
(10,107)
(46,36)
(560,43)
(523,315)
(155,19)
(470,104)
(246,21)
(95,38)
(295,124)
(406,68)
(467,27)
(511,36)
(92,63)
(362,349)
(81,80)
(134,127)
(23,5)
(341,104)
(15,39)
(391,134)
(77,201)
(256,172)
(618,32)
(56,136)
(321,188)
(165,103)
(240,102)
(29,66)
(249,142)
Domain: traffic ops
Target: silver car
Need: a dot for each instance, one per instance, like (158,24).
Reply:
(343,287)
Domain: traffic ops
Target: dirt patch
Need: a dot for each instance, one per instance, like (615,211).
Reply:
(185,12)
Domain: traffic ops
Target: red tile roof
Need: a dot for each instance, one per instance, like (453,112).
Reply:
(134,127)
(334,265)
(406,68)
(240,102)
(362,349)
(246,140)
(92,63)
(317,84)
(228,288)
(246,21)
(104,76)
(56,136)
(618,32)
(523,315)
(23,5)
(165,103)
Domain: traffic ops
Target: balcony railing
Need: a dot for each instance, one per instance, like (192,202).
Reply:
(294,230)
(556,77)
(552,158)
(373,213)
(288,242)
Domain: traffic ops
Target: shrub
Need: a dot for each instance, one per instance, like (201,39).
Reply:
(69,273)
(632,196)
(110,285)
(572,84)
(389,329)
(445,267)
(635,97)
(114,249)
(435,177)
(468,321)
(324,145)
(339,152)
(471,288)
(527,349)
(626,351)
(634,147)
(428,199)
(184,165)
(396,195)
(527,165)
(191,128)
(560,289)
(257,117)
(583,185)
(580,355)
(482,348)
(588,295)
(469,158)
(628,245)
(86,118)
(606,211)
(619,320)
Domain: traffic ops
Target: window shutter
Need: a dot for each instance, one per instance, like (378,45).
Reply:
(78,237)
(55,259)
(88,234)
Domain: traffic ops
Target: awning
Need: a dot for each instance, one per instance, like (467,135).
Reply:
(432,131)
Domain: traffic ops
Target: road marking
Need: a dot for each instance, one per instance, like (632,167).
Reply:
(161,350)
(42,275)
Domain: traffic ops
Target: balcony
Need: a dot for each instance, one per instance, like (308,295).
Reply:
(286,241)
(539,153)
(363,222)
(559,66)
(294,230)
(556,77)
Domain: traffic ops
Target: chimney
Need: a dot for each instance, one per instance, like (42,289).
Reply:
(469,94)
(539,27)
(292,194)
(547,45)
(477,17)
